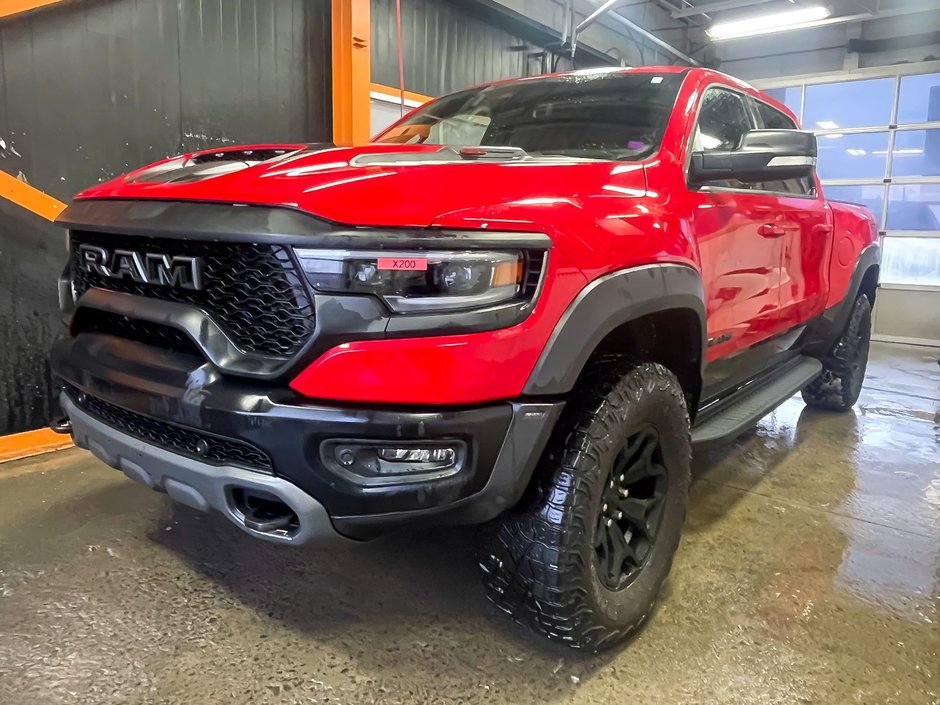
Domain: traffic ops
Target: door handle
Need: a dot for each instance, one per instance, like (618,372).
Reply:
(822,229)
(771,230)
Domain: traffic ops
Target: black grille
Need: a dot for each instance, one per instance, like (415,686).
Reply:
(89,320)
(217,449)
(535,265)
(252,290)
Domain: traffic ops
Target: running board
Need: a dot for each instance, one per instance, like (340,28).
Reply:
(753,402)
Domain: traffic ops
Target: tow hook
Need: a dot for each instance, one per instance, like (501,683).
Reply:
(62,425)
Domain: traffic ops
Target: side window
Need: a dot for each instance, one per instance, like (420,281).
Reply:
(722,121)
(770,118)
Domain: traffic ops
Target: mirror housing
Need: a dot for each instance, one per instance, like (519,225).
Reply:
(764,155)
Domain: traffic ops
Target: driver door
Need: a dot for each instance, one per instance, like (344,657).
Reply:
(741,255)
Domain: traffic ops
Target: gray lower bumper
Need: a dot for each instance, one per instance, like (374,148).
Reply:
(197,484)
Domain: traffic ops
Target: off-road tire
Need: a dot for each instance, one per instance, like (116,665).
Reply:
(839,385)
(542,567)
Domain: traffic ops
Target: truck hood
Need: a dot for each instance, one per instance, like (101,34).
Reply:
(378,184)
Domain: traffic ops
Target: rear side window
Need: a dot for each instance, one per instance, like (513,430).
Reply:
(769,118)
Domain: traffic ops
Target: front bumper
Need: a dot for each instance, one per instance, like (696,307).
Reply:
(187,400)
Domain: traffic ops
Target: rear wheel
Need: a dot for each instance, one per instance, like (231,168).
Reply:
(840,384)
(584,561)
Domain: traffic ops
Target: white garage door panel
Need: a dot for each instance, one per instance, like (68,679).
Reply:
(908,316)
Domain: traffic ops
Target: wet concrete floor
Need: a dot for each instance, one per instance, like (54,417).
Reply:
(809,573)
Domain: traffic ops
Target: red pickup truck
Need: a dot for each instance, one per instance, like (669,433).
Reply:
(525,302)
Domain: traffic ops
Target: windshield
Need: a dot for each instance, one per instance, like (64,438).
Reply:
(619,116)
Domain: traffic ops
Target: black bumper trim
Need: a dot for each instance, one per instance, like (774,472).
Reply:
(185,391)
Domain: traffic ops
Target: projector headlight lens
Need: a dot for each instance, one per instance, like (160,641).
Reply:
(419,281)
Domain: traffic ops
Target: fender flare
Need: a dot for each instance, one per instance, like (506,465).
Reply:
(603,306)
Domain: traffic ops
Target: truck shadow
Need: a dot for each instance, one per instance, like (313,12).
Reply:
(415,594)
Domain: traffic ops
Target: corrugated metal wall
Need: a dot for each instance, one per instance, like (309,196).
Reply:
(446,47)
(90,89)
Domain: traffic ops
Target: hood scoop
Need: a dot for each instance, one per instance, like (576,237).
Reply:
(204,165)
(444,155)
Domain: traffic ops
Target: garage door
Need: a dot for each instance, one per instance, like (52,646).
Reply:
(879,145)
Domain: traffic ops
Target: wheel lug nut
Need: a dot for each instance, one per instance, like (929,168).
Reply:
(604,509)
(610,522)
(623,477)
(624,492)
(620,515)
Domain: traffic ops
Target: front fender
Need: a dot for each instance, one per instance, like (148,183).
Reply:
(606,304)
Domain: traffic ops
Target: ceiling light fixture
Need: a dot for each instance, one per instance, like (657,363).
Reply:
(796,18)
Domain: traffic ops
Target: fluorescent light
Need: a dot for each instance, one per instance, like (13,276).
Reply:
(827,125)
(900,151)
(856,152)
(768,23)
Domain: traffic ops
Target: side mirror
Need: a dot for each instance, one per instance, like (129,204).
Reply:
(764,155)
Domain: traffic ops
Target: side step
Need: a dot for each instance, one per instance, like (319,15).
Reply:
(753,402)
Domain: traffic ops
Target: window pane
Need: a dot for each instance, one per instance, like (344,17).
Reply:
(722,121)
(916,153)
(829,106)
(919,99)
(789,96)
(914,207)
(911,260)
(771,118)
(860,156)
(872,197)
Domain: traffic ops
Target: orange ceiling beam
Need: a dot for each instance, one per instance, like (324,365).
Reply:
(13,7)
(352,72)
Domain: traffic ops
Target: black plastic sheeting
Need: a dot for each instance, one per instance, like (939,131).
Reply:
(91,89)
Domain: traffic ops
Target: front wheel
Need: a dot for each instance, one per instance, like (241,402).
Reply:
(584,562)
(840,384)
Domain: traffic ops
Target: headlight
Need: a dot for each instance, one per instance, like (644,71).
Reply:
(410,282)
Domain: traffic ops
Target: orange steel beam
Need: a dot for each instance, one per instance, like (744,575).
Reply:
(351,72)
(394,93)
(24,445)
(28,197)
(12,7)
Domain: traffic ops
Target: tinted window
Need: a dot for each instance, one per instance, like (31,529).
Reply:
(770,118)
(773,119)
(619,116)
(722,121)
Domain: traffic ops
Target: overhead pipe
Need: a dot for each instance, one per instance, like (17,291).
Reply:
(653,38)
(705,8)
(607,8)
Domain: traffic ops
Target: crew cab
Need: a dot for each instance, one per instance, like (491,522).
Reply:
(525,303)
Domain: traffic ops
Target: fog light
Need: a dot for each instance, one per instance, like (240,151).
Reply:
(418,455)
(378,463)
